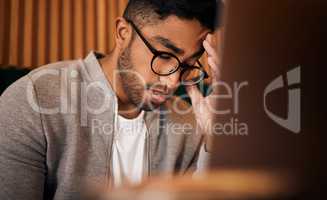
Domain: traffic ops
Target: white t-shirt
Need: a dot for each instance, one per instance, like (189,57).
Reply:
(129,153)
(129,158)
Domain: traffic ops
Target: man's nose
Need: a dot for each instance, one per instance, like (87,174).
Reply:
(171,81)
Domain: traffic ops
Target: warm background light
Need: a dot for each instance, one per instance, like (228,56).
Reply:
(37,32)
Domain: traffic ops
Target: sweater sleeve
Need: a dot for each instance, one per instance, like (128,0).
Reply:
(22,144)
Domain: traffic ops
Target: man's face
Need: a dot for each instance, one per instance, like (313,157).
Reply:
(144,88)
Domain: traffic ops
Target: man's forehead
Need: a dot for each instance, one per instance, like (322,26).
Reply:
(181,36)
(175,26)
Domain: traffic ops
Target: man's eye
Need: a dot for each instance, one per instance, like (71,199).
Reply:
(165,57)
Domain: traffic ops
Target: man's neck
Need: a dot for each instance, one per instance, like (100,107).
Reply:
(109,66)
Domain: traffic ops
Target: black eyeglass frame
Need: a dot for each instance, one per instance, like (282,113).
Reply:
(157,53)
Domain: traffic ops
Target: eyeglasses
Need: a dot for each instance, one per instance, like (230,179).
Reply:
(165,63)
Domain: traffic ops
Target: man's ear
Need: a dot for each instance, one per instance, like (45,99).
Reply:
(123,33)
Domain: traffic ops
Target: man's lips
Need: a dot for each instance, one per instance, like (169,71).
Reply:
(158,96)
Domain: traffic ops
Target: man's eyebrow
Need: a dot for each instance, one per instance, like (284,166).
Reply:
(197,54)
(169,44)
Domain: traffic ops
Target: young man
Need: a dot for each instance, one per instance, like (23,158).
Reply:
(112,119)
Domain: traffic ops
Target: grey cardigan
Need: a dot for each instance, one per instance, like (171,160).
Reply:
(56,132)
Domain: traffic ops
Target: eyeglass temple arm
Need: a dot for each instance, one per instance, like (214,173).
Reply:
(153,50)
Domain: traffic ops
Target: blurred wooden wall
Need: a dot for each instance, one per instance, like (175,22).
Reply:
(36,32)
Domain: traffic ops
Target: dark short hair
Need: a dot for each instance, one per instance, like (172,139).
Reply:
(147,12)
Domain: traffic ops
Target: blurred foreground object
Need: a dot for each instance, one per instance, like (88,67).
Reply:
(215,185)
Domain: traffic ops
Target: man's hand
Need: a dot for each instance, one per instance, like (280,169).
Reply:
(204,107)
